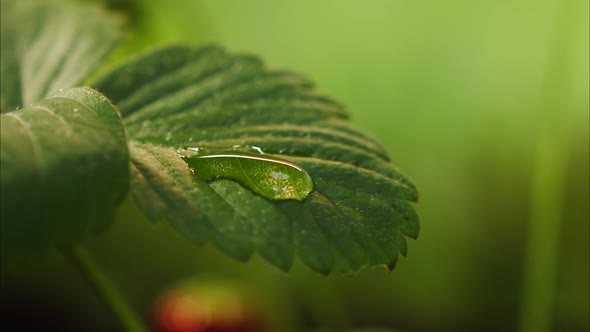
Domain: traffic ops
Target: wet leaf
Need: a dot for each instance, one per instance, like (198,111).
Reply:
(182,97)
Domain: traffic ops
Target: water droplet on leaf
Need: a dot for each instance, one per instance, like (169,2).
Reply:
(266,175)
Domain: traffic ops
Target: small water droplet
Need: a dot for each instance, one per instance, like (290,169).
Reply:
(246,148)
(257,149)
(188,152)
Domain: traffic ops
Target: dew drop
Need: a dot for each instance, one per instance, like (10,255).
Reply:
(268,176)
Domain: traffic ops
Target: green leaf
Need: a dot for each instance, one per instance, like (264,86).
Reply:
(184,97)
(63,168)
(47,45)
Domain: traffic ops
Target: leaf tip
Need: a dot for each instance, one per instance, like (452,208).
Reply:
(391,266)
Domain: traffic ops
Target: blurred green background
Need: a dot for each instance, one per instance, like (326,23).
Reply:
(473,100)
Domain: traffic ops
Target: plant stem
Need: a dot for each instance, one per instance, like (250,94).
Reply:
(541,265)
(93,276)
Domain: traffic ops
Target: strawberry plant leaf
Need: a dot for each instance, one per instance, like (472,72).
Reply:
(63,168)
(185,97)
(47,45)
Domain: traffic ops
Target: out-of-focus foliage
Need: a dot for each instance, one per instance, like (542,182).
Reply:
(74,134)
(453,90)
(47,46)
(51,45)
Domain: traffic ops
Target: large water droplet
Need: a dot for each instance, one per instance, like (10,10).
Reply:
(266,175)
